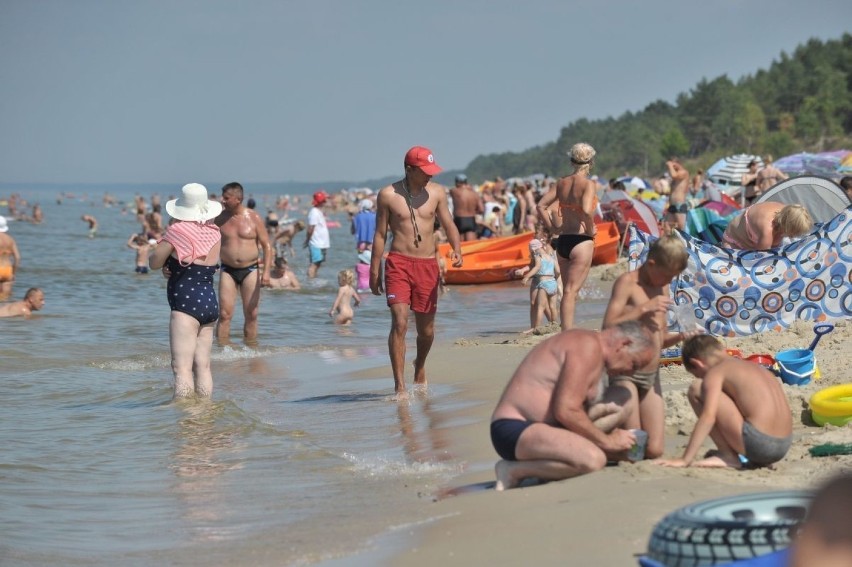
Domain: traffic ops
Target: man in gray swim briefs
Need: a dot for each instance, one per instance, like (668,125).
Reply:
(556,419)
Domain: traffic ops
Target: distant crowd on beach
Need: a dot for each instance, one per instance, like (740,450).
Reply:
(580,399)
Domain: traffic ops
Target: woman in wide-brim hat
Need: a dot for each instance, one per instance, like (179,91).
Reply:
(190,251)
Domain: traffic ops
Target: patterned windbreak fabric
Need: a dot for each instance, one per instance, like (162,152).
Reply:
(742,292)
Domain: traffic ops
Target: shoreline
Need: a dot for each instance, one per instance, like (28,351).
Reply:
(605,518)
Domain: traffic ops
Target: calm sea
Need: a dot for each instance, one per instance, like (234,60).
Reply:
(302,455)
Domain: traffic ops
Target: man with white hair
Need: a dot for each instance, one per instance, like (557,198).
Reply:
(557,418)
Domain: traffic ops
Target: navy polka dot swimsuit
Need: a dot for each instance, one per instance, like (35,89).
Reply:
(190,290)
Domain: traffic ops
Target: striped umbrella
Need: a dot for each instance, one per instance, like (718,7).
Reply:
(729,170)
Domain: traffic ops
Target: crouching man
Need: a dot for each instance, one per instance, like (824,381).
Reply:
(557,418)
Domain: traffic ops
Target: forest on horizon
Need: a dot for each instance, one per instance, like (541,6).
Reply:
(802,102)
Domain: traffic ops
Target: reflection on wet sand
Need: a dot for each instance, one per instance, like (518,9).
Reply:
(198,464)
(425,440)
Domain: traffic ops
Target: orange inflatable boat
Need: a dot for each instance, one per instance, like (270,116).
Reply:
(606,243)
(490,260)
(494,260)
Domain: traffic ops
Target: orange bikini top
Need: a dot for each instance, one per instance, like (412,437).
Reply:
(575,207)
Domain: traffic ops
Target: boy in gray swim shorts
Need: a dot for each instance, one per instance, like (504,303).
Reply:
(739,404)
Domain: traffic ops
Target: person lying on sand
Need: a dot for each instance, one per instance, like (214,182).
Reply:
(739,403)
(556,419)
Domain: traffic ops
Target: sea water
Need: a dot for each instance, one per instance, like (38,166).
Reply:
(302,455)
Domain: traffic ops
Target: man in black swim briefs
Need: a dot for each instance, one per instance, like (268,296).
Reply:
(677,208)
(239,274)
(556,418)
(245,243)
(466,205)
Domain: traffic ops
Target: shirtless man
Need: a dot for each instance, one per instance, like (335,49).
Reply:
(282,276)
(556,419)
(10,260)
(466,205)
(244,240)
(93,224)
(33,301)
(409,208)
(676,211)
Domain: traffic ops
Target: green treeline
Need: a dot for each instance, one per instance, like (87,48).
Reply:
(803,102)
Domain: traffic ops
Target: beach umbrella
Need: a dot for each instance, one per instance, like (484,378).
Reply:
(729,170)
(846,165)
(631,210)
(633,182)
(826,164)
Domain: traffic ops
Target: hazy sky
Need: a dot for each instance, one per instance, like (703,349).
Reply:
(143,91)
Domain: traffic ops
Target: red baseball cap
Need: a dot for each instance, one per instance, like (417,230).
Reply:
(421,157)
(320,197)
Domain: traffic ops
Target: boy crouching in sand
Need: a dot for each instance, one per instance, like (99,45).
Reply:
(643,295)
(740,404)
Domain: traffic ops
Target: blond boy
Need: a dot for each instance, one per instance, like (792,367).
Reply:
(739,404)
(643,295)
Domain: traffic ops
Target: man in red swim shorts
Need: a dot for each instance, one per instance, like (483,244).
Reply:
(408,208)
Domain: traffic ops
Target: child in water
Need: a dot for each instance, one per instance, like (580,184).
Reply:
(545,289)
(143,247)
(345,295)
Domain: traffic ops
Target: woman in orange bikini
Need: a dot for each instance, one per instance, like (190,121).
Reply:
(10,260)
(763,225)
(575,243)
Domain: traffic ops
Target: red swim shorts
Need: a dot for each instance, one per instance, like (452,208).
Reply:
(413,281)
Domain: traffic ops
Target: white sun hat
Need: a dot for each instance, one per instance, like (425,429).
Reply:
(193,204)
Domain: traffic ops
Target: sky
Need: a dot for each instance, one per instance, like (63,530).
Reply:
(161,91)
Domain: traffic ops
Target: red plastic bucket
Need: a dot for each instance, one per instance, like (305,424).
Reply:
(762,359)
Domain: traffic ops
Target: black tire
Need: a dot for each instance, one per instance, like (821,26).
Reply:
(727,529)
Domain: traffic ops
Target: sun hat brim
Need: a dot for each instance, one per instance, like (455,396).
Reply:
(177,210)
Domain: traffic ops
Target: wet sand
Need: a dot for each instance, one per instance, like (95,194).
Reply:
(604,518)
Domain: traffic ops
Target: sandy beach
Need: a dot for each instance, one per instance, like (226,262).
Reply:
(604,518)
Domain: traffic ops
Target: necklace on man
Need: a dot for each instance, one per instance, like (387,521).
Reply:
(417,238)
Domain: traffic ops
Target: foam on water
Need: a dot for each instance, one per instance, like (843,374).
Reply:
(304,452)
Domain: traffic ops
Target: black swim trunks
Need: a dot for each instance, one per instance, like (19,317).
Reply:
(505,434)
(565,243)
(239,274)
(465,224)
(682,208)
